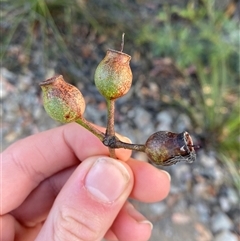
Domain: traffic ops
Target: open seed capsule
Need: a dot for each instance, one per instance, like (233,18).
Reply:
(167,148)
(62,101)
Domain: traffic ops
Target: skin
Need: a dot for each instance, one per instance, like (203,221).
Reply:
(41,178)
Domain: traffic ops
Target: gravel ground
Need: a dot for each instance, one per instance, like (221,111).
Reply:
(203,204)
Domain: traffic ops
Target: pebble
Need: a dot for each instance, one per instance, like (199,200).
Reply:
(5,73)
(209,169)
(165,121)
(203,233)
(183,173)
(220,221)
(158,208)
(233,196)
(207,160)
(143,120)
(203,211)
(224,204)
(182,123)
(93,114)
(24,82)
(202,191)
(181,218)
(225,236)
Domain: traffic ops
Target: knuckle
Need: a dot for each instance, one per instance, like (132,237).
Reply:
(75,225)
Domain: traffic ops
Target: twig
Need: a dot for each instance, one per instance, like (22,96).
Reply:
(110,125)
(122,43)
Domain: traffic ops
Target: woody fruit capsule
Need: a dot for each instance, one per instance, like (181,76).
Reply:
(113,76)
(62,101)
(166,148)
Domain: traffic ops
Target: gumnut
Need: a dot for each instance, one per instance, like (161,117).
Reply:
(62,101)
(113,76)
(167,148)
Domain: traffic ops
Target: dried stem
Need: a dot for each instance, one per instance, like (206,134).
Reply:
(109,139)
(122,43)
(110,125)
(83,122)
(114,142)
(133,147)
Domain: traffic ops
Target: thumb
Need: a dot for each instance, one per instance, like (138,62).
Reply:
(90,201)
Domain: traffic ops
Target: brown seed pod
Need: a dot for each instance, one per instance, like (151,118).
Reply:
(113,76)
(62,101)
(167,148)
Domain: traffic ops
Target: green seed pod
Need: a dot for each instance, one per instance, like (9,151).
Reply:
(62,101)
(113,76)
(167,148)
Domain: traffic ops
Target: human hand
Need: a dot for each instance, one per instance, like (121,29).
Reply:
(47,195)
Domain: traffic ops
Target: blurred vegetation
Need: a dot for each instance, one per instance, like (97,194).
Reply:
(195,35)
(58,27)
(207,41)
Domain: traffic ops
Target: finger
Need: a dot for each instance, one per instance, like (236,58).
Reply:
(131,225)
(90,201)
(11,229)
(43,198)
(150,184)
(110,236)
(44,195)
(29,161)
(7,227)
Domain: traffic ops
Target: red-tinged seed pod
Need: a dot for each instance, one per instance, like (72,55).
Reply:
(167,148)
(62,101)
(113,76)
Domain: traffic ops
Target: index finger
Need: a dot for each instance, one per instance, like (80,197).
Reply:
(28,162)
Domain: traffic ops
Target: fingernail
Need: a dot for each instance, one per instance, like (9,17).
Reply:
(147,222)
(107,179)
(168,175)
(124,138)
(127,140)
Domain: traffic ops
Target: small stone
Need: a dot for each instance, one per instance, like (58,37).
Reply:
(219,175)
(208,161)
(11,137)
(225,236)
(203,212)
(24,82)
(183,123)
(220,221)
(158,208)
(165,120)
(143,121)
(180,218)
(5,89)
(224,203)
(233,196)
(204,190)
(182,173)
(203,233)
(11,77)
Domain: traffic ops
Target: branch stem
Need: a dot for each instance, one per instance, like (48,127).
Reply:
(109,139)
(110,125)
(122,43)
(83,122)
(133,147)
